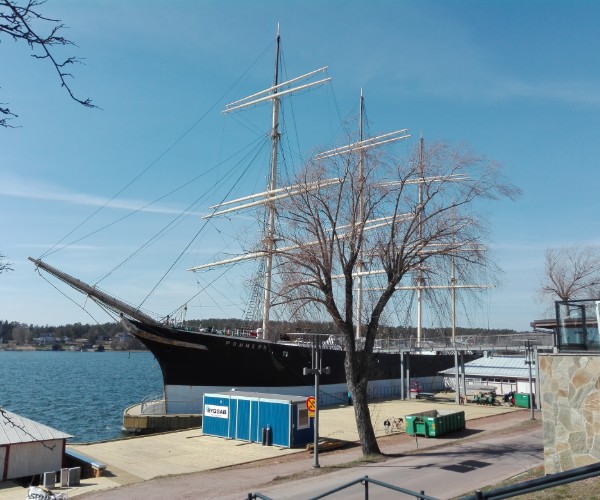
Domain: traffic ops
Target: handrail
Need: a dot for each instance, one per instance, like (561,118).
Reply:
(365,480)
(513,490)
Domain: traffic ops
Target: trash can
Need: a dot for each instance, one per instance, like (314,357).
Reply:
(522,400)
(434,423)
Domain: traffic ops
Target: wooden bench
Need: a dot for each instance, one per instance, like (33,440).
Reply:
(425,395)
(97,468)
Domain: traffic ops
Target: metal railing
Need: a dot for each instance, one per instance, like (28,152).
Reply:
(506,342)
(513,490)
(365,481)
(153,405)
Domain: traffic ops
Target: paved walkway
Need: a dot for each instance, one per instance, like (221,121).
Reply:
(137,459)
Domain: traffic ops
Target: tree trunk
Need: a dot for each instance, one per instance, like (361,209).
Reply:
(364,426)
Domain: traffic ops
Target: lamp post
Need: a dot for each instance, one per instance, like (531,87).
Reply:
(317,371)
(529,360)
(456,374)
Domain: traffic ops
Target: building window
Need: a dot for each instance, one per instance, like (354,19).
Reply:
(303,420)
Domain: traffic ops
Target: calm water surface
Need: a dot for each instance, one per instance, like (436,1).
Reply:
(80,393)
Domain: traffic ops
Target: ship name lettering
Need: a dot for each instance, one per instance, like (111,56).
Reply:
(247,345)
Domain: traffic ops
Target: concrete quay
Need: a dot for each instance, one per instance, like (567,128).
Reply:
(137,459)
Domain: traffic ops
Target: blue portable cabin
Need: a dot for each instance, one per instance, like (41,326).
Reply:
(244,415)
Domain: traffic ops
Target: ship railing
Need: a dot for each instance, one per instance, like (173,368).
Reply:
(153,405)
(510,342)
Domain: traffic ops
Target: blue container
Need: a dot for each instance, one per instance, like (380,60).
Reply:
(257,417)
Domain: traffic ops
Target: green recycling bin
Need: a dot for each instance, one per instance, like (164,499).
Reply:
(522,400)
(434,423)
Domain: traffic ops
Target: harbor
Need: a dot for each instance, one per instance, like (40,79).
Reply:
(137,459)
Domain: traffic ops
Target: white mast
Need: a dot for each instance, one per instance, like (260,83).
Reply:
(420,230)
(272,194)
(361,146)
(269,243)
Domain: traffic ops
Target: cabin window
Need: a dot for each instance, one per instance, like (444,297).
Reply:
(303,420)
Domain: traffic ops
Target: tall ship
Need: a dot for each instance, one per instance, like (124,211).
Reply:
(195,361)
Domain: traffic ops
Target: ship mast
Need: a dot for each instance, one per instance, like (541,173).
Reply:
(360,147)
(420,238)
(361,216)
(273,193)
(269,241)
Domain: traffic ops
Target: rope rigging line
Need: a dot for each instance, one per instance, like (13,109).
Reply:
(183,214)
(161,155)
(289,103)
(69,298)
(209,285)
(195,235)
(343,125)
(144,207)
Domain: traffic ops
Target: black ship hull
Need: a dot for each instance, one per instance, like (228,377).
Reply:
(194,363)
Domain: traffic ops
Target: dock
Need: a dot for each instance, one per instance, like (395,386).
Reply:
(136,422)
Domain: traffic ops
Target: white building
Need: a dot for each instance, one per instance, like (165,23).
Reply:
(28,448)
(505,373)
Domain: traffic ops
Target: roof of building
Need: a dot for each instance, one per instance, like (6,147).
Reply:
(15,429)
(264,396)
(495,366)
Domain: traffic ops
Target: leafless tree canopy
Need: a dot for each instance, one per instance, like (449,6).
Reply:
(398,222)
(4,265)
(571,273)
(24,22)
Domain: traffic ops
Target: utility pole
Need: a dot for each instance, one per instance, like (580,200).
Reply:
(529,360)
(317,371)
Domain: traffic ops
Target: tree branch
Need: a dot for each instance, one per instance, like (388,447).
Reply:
(18,23)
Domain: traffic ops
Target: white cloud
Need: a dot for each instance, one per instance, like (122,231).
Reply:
(37,190)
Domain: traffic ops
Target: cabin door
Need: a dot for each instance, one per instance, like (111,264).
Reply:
(243,420)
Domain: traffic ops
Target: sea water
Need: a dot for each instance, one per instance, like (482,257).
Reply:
(80,393)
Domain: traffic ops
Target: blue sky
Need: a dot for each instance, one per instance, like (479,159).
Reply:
(519,82)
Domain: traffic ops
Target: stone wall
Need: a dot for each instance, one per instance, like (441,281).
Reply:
(570,397)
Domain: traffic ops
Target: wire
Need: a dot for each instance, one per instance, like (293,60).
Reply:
(161,155)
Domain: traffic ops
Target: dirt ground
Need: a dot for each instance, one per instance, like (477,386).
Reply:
(236,482)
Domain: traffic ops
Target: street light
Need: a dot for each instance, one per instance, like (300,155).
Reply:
(317,371)
(530,361)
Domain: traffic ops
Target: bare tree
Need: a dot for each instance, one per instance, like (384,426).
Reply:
(21,334)
(26,23)
(571,273)
(397,222)
(4,264)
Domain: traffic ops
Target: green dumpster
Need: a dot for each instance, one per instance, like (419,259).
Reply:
(522,400)
(434,423)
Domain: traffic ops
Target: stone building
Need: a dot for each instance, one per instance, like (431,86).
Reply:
(570,388)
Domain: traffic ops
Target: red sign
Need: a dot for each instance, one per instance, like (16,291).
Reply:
(311,403)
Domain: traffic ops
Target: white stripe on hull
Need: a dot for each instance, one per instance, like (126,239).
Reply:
(188,399)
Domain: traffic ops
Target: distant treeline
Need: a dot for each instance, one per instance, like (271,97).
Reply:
(12,330)
(23,333)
